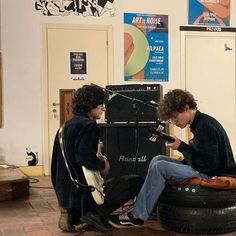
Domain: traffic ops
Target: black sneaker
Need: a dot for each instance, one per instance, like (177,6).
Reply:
(96,221)
(125,220)
(153,216)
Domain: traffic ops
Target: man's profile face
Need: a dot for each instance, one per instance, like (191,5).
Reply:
(96,113)
(181,119)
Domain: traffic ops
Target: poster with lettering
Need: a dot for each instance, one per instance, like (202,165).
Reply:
(209,12)
(145,47)
(78,65)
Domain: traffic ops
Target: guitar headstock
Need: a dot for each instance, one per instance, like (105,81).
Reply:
(155,132)
(159,133)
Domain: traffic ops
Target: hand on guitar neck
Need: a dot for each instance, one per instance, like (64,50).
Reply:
(94,177)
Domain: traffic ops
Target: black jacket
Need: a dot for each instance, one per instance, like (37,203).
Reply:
(209,152)
(81,136)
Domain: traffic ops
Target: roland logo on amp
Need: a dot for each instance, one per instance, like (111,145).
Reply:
(123,158)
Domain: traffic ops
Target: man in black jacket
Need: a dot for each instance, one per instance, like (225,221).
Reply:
(207,155)
(80,138)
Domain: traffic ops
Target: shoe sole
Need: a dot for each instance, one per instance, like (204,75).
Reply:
(123,226)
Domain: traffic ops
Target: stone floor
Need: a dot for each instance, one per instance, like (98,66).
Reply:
(37,215)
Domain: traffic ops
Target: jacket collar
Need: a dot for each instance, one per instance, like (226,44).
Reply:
(196,119)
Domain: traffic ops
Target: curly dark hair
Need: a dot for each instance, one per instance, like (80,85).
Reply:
(88,97)
(175,101)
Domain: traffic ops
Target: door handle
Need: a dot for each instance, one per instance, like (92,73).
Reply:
(55,104)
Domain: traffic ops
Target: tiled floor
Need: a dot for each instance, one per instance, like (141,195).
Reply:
(38,215)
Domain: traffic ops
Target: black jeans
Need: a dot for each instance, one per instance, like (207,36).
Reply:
(118,191)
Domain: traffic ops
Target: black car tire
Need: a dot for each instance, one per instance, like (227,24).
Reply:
(198,196)
(197,220)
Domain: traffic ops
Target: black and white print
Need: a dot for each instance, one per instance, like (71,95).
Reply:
(84,8)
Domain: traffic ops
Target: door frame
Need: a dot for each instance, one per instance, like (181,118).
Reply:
(44,79)
(193,31)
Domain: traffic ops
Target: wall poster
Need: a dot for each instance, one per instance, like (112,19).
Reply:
(209,12)
(145,47)
(96,8)
(78,65)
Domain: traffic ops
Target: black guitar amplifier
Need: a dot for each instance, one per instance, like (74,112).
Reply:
(126,108)
(119,146)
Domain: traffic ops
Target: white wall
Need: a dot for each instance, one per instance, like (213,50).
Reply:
(21,40)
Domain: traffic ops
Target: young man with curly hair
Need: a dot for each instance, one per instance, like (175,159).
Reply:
(81,138)
(208,154)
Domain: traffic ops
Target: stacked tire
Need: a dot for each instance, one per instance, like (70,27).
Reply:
(197,210)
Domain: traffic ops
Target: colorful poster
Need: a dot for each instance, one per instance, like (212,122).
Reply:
(145,47)
(78,65)
(209,12)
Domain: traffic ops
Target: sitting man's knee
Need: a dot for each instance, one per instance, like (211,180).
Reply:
(157,159)
(161,167)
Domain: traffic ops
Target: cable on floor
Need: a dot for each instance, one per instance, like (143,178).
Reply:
(35,180)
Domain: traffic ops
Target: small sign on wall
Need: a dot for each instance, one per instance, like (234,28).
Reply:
(78,66)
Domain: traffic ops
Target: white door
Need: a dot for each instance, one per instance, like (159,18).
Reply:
(60,41)
(208,72)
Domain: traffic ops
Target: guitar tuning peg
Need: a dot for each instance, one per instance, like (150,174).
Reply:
(160,127)
(153,138)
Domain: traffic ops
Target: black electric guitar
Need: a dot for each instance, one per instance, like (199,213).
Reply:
(94,178)
(158,133)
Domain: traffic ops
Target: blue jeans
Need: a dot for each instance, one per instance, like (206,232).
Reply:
(161,168)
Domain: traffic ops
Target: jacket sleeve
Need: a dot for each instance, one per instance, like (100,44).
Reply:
(86,147)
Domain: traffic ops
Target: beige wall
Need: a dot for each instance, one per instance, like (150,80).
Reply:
(21,40)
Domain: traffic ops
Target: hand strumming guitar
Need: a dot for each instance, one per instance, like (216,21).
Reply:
(173,145)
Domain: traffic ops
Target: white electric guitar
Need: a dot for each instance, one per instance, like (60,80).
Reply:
(94,178)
